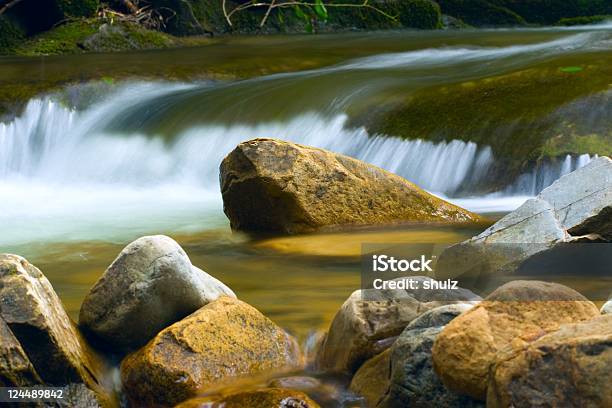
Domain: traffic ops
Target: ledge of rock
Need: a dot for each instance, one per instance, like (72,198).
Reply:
(469,345)
(220,342)
(275,186)
(576,208)
(369,321)
(567,368)
(40,344)
(150,285)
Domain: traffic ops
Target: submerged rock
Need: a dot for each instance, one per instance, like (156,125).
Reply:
(512,316)
(274,186)
(40,344)
(220,342)
(369,321)
(262,398)
(150,285)
(567,368)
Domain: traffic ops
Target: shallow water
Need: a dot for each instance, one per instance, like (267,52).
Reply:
(299,282)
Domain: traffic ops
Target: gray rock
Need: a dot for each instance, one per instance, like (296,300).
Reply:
(576,208)
(369,321)
(413,381)
(150,285)
(607,307)
(440,316)
(403,375)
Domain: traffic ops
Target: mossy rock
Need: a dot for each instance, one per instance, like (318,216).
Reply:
(481,13)
(94,35)
(515,113)
(584,20)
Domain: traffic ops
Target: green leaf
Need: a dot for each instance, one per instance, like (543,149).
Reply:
(571,70)
(299,13)
(309,28)
(320,9)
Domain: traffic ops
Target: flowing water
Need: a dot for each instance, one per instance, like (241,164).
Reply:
(81,176)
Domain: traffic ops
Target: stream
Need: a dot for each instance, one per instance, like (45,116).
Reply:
(86,170)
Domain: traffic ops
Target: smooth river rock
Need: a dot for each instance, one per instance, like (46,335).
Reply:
(149,286)
(219,343)
(607,308)
(469,345)
(567,368)
(369,321)
(275,186)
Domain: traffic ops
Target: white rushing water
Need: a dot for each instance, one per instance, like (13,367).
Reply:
(65,176)
(62,176)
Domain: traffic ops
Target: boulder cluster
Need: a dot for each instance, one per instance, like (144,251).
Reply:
(180,335)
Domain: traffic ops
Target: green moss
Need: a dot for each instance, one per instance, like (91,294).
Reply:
(94,35)
(481,12)
(10,35)
(574,21)
(524,116)
(67,38)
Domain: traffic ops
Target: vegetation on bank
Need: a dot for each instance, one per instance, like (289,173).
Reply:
(73,26)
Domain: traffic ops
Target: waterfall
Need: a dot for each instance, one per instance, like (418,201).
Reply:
(54,145)
(545,174)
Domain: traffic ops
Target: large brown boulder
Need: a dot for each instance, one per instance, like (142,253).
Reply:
(370,320)
(34,319)
(149,286)
(512,316)
(262,398)
(567,368)
(274,186)
(220,342)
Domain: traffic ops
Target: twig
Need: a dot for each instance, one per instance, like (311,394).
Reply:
(8,5)
(265,17)
(273,5)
